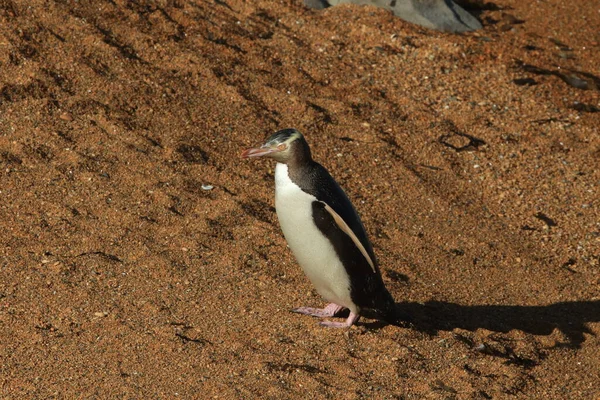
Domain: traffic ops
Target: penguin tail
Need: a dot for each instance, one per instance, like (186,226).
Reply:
(389,312)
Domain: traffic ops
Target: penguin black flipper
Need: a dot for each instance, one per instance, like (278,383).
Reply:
(317,181)
(348,231)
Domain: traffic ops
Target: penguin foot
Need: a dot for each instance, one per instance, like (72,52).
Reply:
(329,311)
(352,318)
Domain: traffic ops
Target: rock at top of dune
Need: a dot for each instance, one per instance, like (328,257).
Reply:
(442,15)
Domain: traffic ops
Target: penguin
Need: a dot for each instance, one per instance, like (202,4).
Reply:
(325,233)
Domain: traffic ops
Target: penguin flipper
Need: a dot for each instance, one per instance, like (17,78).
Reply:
(346,229)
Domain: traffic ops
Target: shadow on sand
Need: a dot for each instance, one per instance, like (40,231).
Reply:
(568,317)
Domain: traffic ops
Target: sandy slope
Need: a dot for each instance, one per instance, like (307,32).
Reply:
(122,277)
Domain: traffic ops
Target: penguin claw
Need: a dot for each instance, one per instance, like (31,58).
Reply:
(333,324)
(329,311)
(352,318)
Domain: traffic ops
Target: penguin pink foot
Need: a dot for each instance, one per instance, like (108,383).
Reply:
(329,311)
(352,318)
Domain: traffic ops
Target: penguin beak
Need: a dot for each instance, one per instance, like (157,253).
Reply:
(263,150)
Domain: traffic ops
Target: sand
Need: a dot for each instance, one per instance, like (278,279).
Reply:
(141,256)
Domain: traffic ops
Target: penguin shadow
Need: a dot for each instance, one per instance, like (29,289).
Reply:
(570,318)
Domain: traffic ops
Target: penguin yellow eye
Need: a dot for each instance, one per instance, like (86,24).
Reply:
(282,147)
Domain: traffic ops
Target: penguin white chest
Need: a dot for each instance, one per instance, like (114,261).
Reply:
(310,246)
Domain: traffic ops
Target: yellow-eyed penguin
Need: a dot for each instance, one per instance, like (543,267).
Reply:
(324,232)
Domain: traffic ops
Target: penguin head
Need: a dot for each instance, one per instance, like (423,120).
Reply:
(284,146)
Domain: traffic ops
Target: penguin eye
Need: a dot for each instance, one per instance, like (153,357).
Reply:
(282,147)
